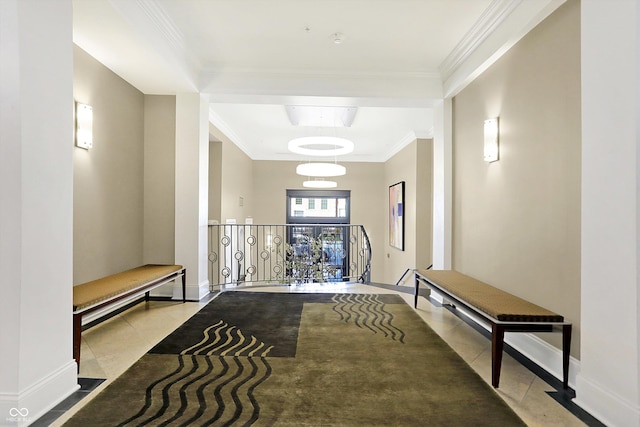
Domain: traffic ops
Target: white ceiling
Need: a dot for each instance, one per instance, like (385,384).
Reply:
(397,60)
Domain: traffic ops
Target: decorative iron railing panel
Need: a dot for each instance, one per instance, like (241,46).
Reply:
(241,253)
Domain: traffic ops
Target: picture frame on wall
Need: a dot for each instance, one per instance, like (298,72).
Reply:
(396,215)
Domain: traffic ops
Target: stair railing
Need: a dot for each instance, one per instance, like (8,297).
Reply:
(250,253)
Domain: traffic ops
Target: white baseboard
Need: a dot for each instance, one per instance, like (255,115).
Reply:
(25,407)
(543,354)
(195,292)
(606,406)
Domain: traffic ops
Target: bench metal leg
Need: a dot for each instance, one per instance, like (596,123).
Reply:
(566,351)
(497,345)
(184,285)
(416,291)
(77,338)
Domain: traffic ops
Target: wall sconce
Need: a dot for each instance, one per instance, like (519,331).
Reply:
(491,132)
(84,126)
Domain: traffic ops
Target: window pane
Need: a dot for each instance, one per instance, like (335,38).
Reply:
(342,208)
(318,206)
(329,208)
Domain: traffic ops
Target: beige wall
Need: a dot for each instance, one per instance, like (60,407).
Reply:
(517,221)
(236,181)
(368,207)
(424,203)
(413,165)
(368,199)
(108,178)
(215,180)
(271,179)
(159,179)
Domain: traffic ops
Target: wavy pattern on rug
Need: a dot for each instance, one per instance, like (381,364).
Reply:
(367,311)
(224,340)
(197,383)
(290,359)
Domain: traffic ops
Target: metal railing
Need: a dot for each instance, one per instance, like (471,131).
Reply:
(240,253)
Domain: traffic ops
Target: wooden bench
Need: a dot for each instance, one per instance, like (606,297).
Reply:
(101,293)
(503,311)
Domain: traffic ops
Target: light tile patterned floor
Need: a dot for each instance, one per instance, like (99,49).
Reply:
(109,348)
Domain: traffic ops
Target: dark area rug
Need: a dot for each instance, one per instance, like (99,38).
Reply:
(250,358)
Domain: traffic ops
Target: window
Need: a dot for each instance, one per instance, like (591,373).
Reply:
(318,206)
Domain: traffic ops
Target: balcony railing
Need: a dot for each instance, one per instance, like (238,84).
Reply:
(242,253)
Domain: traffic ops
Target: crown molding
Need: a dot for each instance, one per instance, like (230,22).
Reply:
(403,142)
(151,20)
(221,125)
(406,140)
(490,19)
(512,20)
(160,19)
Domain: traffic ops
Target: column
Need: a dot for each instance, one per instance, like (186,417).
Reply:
(608,382)
(36,208)
(192,188)
(442,185)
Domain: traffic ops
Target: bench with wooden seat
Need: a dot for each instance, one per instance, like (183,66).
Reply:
(503,311)
(101,293)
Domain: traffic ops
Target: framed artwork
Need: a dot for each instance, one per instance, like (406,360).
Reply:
(396,215)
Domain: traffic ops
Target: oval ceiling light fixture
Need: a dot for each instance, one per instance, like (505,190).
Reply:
(320,169)
(319,183)
(320,146)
